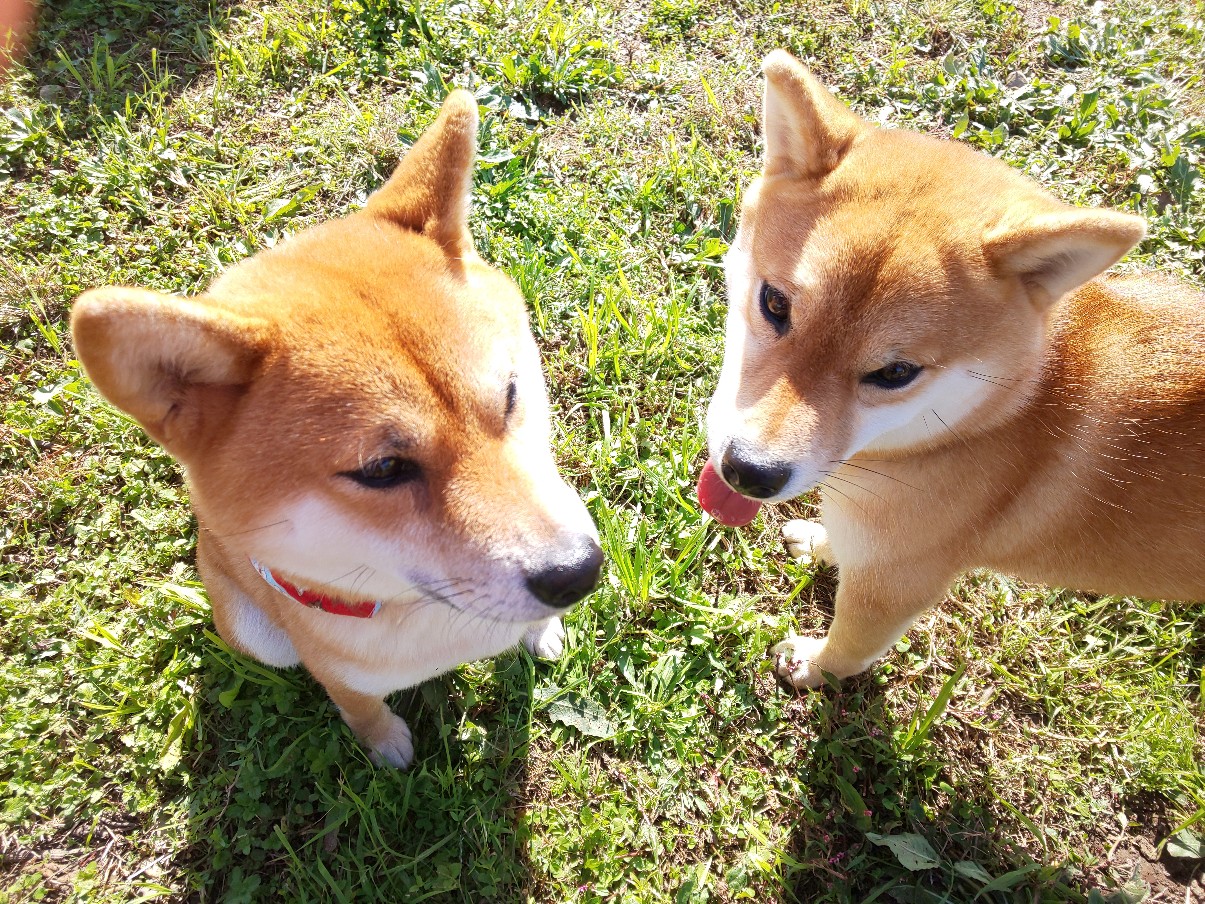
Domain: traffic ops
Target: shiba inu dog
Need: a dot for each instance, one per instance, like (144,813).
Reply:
(364,426)
(913,329)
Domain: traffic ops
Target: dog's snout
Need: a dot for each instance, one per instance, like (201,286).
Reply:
(569,575)
(752,475)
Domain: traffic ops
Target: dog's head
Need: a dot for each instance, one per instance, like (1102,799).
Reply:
(885,288)
(362,407)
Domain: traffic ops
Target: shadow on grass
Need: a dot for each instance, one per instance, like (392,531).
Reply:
(908,810)
(93,57)
(286,805)
(873,778)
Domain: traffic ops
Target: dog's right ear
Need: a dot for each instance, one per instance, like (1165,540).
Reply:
(171,363)
(429,191)
(807,130)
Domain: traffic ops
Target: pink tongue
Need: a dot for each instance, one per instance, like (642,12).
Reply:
(722,502)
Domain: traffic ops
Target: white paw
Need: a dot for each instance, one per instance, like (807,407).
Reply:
(546,640)
(807,541)
(795,660)
(396,749)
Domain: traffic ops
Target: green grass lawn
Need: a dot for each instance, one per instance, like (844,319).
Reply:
(1020,745)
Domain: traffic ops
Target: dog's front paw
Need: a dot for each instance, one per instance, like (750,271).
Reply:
(807,541)
(394,746)
(546,640)
(795,661)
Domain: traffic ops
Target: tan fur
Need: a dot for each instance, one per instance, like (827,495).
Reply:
(379,335)
(1057,429)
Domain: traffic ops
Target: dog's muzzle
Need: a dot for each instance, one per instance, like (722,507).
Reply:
(752,475)
(569,576)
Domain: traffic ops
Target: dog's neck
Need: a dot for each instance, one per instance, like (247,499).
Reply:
(314,600)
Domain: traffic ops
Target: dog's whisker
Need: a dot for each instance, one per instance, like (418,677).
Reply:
(850,464)
(855,485)
(825,486)
(242,533)
(345,576)
(947,426)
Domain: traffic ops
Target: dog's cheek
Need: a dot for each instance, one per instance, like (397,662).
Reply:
(930,416)
(314,538)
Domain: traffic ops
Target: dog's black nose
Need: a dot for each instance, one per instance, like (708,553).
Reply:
(751,475)
(569,575)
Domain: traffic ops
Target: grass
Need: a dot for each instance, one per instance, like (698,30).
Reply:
(1021,744)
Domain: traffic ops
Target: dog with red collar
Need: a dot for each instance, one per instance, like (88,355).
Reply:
(364,426)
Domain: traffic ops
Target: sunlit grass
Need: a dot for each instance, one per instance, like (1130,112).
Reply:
(1038,743)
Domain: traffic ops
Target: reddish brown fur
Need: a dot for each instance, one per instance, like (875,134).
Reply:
(382,334)
(1080,458)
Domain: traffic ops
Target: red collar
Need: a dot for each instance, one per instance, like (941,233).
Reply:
(366,609)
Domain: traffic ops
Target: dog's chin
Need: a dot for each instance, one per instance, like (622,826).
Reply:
(793,490)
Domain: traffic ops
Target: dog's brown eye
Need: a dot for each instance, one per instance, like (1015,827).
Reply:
(776,308)
(894,376)
(382,473)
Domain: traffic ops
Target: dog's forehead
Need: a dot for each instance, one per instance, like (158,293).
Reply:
(375,269)
(845,255)
(441,354)
(898,201)
(381,320)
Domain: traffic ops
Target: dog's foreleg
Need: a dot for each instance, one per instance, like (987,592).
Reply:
(385,733)
(240,622)
(546,639)
(247,628)
(874,609)
(807,541)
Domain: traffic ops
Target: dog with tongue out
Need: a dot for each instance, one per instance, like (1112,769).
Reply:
(916,329)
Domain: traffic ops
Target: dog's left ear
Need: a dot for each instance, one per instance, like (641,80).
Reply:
(429,191)
(807,129)
(1054,247)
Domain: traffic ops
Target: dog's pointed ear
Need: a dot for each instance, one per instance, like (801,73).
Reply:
(174,364)
(1054,247)
(807,130)
(429,191)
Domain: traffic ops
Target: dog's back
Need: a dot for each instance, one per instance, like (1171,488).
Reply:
(1113,446)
